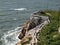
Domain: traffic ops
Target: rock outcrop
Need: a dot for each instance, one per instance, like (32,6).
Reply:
(28,35)
(33,22)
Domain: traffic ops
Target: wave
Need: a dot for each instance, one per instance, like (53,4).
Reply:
(12,9)
(19,9)
(11,37)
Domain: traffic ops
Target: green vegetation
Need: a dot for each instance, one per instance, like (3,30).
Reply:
(49,34)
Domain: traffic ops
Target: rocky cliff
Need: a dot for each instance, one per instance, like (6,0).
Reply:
(28,35)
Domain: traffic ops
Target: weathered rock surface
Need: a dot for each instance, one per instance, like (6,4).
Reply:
(59,30)
(31,28)
(33,22)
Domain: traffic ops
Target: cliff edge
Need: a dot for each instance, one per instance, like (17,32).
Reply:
(28,35)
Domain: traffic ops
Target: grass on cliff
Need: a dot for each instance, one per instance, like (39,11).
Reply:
(49,34)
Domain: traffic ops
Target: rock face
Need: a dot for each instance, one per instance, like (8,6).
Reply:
(59,30)
(30,29)
(33,22)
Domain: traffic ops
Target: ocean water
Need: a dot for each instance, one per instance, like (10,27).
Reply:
(14,13)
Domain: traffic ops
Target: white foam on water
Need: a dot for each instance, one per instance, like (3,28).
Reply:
(11,37)
(20,9)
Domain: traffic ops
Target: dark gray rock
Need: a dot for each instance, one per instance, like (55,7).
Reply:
(33,22)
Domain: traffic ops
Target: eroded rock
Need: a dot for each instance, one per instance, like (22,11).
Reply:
(33,22)
(29,31)
(25,40)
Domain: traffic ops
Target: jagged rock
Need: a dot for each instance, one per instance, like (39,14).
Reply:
(31,28)
(33,22)
(59,30)
(19,43)
(39,13)
(25,40)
